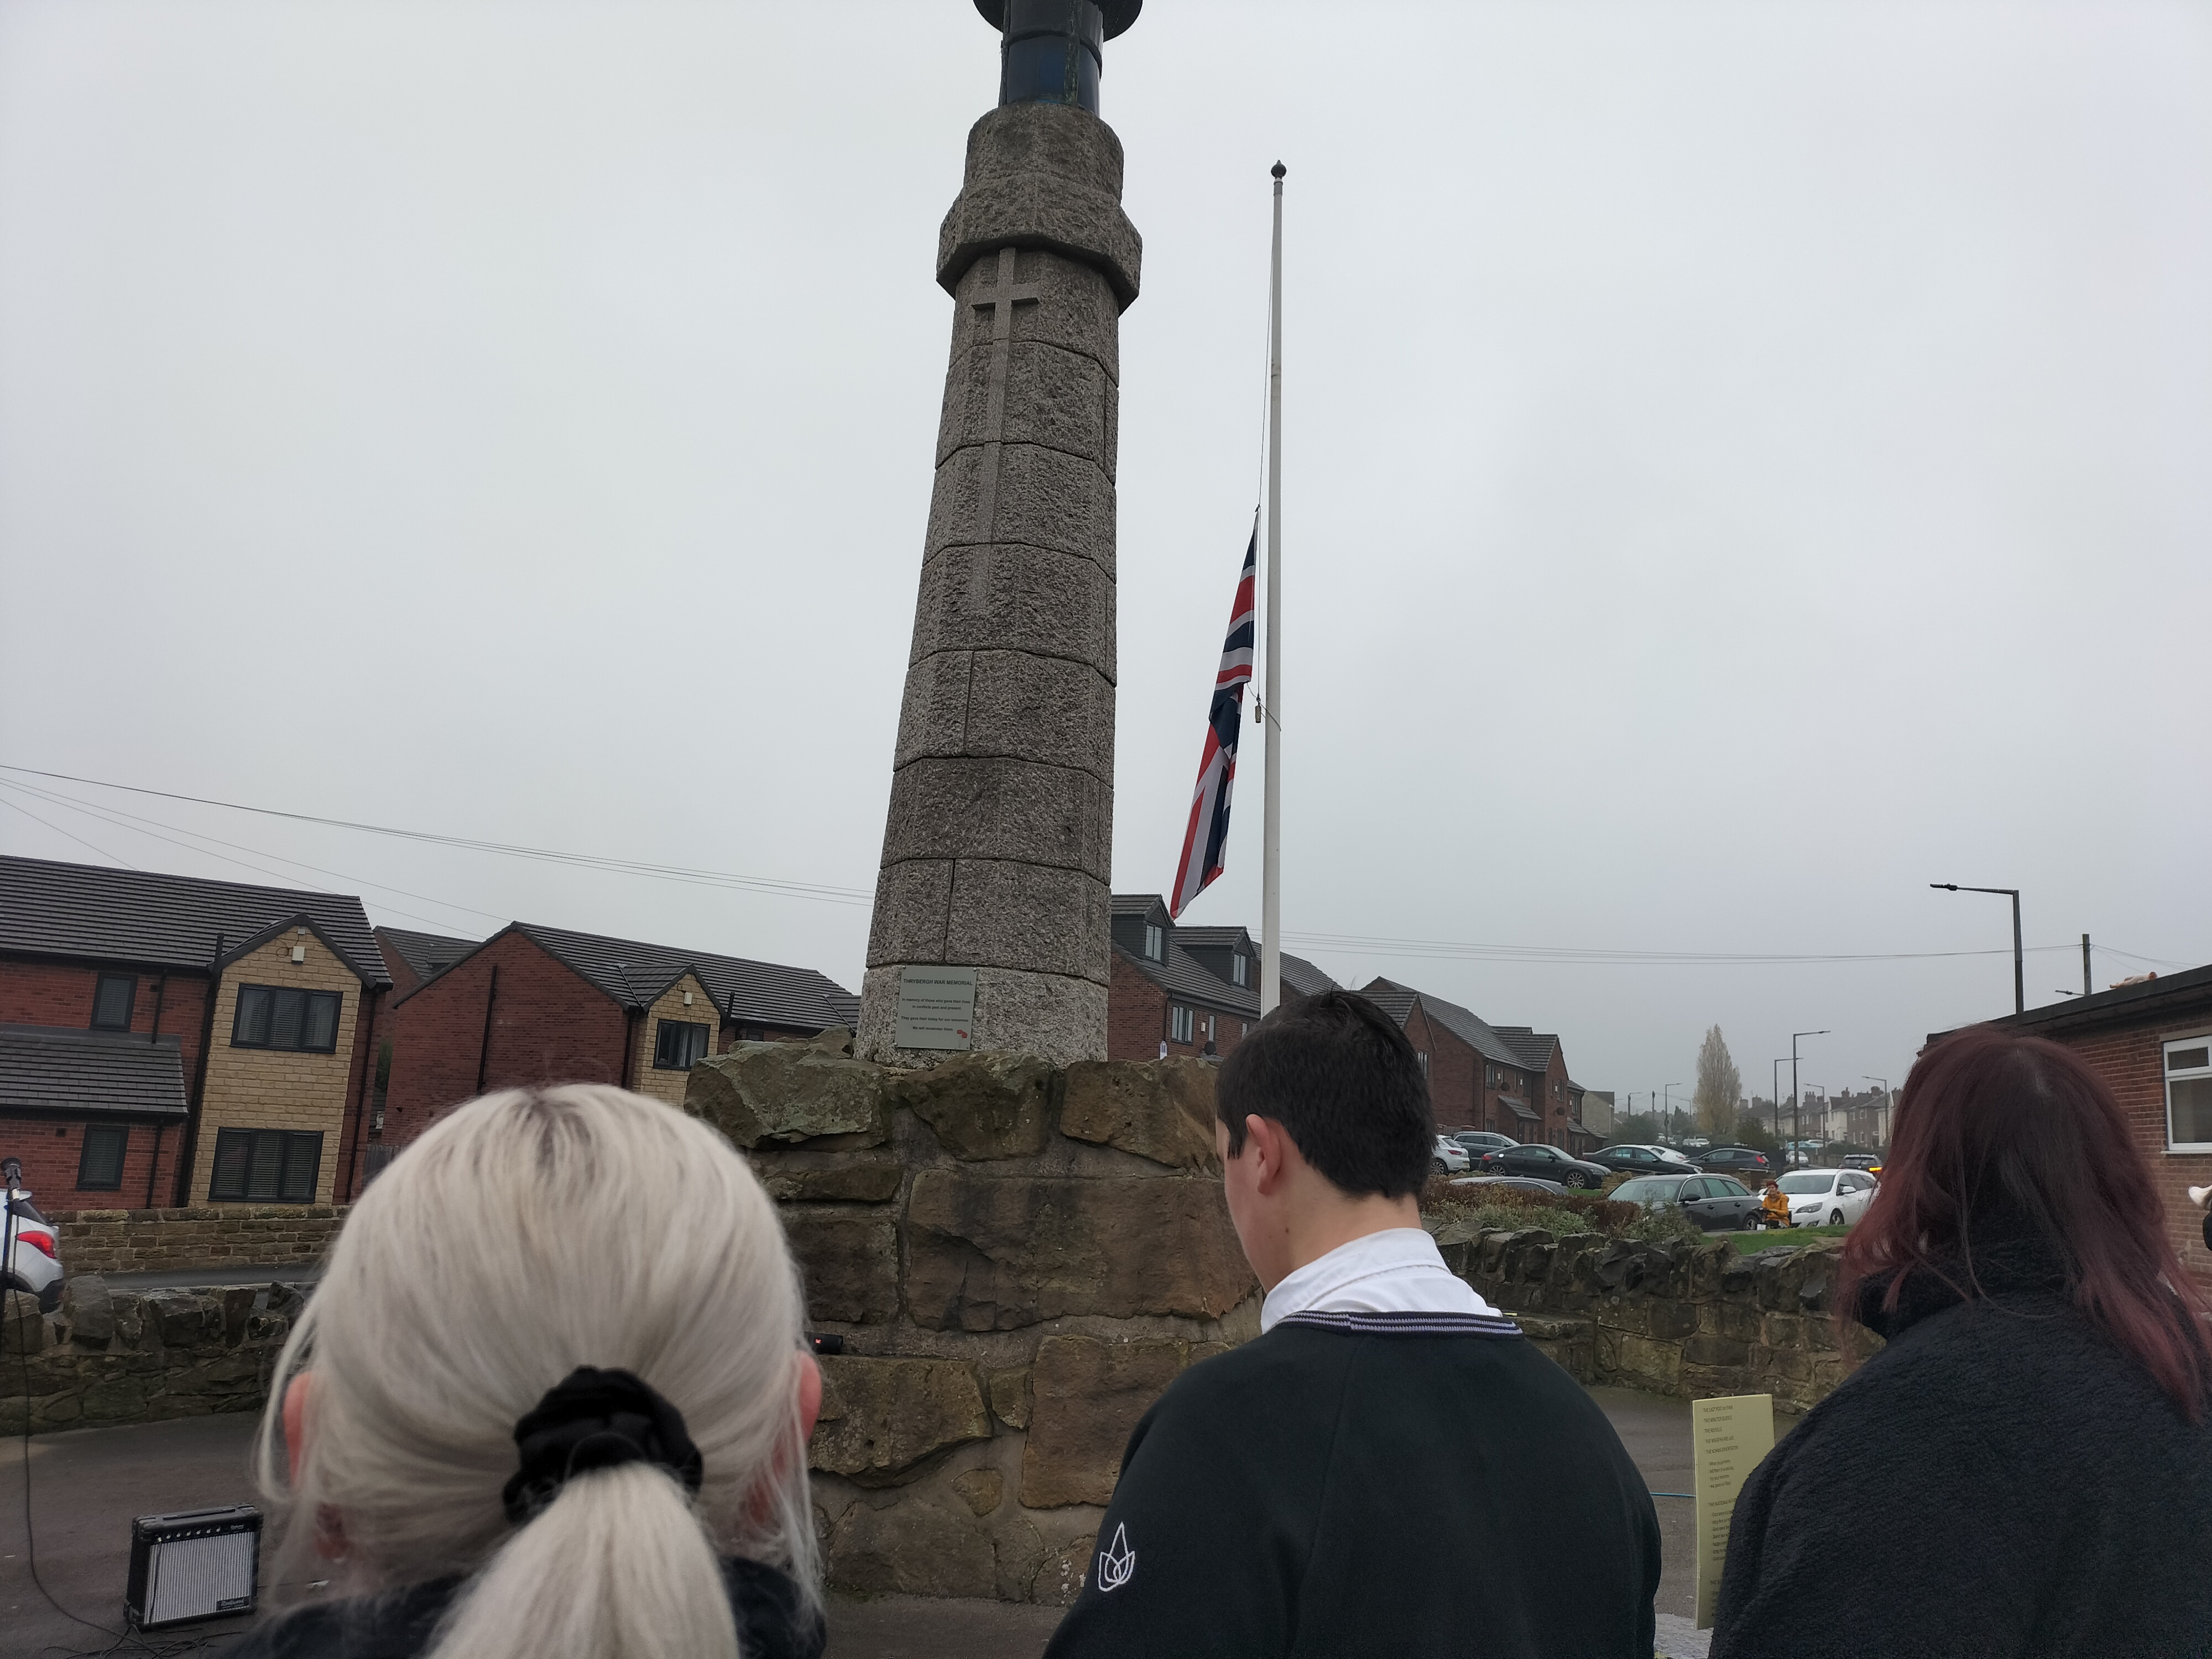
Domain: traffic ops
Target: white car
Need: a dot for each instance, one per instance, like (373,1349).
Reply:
(1832,1198)
(33,1264)
(1451,1158)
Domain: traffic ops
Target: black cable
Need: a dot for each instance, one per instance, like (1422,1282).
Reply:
(138,1644)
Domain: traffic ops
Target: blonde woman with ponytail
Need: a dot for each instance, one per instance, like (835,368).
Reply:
(550,1401)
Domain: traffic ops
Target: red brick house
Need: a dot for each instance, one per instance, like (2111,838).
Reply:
(1508,1079)
(1181,990)
(2151,1041)
(167,1039)
(536,1004)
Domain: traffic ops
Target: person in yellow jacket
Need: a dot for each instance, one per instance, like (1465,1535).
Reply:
(1773,1207)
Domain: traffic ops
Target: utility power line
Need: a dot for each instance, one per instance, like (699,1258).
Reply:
(820,892)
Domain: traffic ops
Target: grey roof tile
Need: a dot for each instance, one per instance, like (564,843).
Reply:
(47,1068)
(145,917)
(425,953)
(1462,1023)
(1182,975)
(754,992)
(1303,977)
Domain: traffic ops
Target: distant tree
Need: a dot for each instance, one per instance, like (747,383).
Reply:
(1636,1128)
(1720,1087)
(1752,1130)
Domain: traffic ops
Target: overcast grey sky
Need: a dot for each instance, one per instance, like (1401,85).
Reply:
(1744,463)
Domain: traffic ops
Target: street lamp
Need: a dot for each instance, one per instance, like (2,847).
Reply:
(2019,971)
(1791,1156)
(1669,1119)
(1884,1081)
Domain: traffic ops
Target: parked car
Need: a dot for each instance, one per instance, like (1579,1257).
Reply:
(1695,1143)
(1479,1141)
(1628,1159)
(1545,1163)
(1865,1161)
(1475,1184)
(34,1262)
(1451,1158)
(1747,1161)
(1715,1203)
(1838,1197)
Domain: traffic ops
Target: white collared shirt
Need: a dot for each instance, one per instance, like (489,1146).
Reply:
(1398,1270)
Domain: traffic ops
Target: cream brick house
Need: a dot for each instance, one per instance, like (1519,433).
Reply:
(281,1070)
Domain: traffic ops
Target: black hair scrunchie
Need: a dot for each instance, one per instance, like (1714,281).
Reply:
(595,1419)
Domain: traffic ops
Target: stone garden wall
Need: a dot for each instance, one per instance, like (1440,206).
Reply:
(206,1236)
(110,1357)
(1695,1321)
(1019,1258)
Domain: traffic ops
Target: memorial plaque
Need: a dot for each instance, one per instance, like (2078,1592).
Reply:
(936,1008)
(1728,1438)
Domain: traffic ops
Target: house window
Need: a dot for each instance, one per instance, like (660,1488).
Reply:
(278,1017)
(100,1166)
(1155,942)
(111,1002)
(678,1045)
(1244,1029)
(1423,1059)
(2188,1095)
(1179,1025)
(266,1166)
(1240,968)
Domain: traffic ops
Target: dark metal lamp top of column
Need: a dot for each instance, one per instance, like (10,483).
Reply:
(1051,52)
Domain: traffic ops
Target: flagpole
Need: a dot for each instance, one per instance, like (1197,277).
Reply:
(1271,861)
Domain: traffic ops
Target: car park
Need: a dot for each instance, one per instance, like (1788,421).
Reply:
(1715,1203)
(31,1256)
(1746,1162)
(1449,1157)
(1545,1163)
(1479,1141)
(1630,1158)
(1835,1197)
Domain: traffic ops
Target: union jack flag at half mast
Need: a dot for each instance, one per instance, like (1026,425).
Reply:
(1205,839)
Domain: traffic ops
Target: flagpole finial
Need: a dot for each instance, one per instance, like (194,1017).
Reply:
(1278,170)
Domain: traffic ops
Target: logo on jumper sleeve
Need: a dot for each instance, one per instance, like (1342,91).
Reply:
(1116,1565)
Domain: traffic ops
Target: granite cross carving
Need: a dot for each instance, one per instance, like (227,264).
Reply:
(1001,301)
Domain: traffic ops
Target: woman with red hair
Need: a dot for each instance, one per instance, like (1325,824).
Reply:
(2026,1467)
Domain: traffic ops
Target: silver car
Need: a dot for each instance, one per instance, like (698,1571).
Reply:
(30,1255)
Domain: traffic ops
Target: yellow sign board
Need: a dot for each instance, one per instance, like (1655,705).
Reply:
(1728,1438)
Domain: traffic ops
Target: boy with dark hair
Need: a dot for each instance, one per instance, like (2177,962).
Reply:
(1390,1468)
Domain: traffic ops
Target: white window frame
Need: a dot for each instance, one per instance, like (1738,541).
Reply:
(2168,1077)
(1182,1022)
(1240,968)
(1156,941)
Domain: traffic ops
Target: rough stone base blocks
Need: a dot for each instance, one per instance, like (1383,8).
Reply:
(1019,1258)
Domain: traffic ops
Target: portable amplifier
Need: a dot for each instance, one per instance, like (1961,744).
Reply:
(202,1564)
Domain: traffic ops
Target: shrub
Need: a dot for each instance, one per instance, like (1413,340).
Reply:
(1665,1226)
(1514,1207)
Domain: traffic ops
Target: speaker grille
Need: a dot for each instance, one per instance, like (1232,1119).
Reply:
(192,1577)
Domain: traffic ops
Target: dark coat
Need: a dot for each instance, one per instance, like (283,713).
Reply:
(1387,1486)
(771,1622)
(2001,1479)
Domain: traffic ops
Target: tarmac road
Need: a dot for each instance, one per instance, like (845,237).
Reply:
(88,1484)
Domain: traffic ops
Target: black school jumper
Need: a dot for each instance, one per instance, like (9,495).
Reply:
(1407,1484)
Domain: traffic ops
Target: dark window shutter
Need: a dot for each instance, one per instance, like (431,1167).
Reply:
(322,1033)
(99,1167)
(251,1030)
(112,1001)
(233,1152)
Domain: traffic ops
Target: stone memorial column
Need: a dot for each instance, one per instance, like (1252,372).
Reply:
(997,854)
